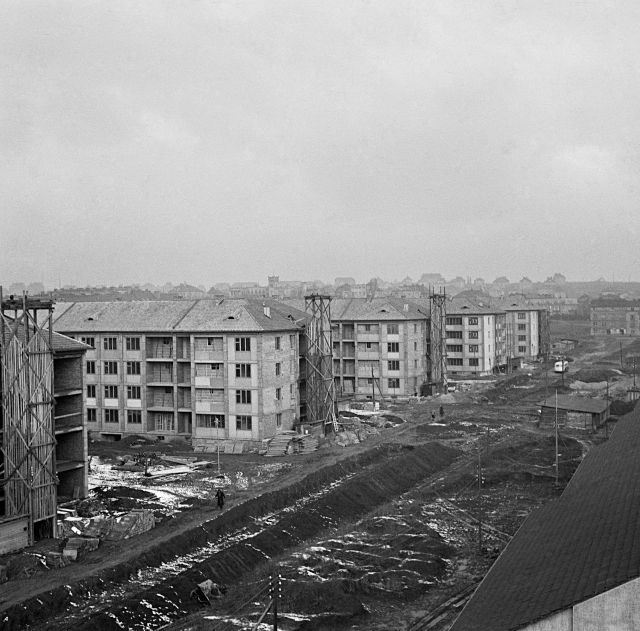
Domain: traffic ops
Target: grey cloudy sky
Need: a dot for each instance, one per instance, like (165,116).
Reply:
(226,140)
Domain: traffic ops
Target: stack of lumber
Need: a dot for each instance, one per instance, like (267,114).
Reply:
(279,444)
(305,444)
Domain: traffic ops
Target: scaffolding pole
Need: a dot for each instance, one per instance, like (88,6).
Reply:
(438,355)
(27,442)
(321,396)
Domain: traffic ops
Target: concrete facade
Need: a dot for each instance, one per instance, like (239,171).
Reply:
(615,317)
(193,378)
(379,347)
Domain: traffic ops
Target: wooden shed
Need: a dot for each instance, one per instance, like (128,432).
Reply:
(573,411)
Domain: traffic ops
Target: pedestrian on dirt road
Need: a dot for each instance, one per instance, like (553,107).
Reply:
(441,412)
(433,417)
(220,498)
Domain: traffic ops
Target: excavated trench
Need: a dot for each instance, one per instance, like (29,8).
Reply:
(155,588)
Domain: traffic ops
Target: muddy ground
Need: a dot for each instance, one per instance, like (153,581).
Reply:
(379,535)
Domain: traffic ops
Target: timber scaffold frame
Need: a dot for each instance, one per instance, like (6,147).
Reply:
(321,399)
(27,439)
(438,341)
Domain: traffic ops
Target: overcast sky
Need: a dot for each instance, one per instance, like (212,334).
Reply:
(228,140)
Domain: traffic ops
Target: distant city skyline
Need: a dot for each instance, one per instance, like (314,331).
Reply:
(144,140)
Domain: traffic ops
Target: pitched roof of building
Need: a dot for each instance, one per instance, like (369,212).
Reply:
(578,546)
(461,306)
(59,343)
(180,315)
(576,404)
(365,309)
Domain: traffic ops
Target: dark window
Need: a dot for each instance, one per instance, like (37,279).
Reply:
(91,368)
(277,343)
(110,343)
(243,396)
(474,361)
(279,419)
(473,335)
(243,422)
(243,370)
(111,392)
(110,368)
(473,321)
(454,348)
(454,361)
(393,347)
(392,329)
(393,364)
(473,348)
(133,392)
(522,338)
(111,416)
(133,343)
(134,417)
(278,394)
(394,383)
(133,368)
(92,415)
(278,369)
(90,341)
(91,392)
(454,335)
(522,327)
(243,344)
(454,321)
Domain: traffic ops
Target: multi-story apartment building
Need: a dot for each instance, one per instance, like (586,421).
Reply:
(206,369)
(615,316)
(522,330)
(379,347)
(474,339)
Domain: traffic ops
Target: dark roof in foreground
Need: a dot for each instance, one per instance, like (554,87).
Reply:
(576,404)
(582,544)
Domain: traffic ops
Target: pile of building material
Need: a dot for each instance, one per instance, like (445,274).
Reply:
(304,443)
(111,528)
(77,547)
(280,444)
(134,523)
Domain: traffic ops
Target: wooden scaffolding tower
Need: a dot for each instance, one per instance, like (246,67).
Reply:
(321,397)
(27,439)
(438,355)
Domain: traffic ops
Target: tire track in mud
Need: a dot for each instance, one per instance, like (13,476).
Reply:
(255,532)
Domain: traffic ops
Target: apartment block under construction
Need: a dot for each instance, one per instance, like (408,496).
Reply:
(43,440)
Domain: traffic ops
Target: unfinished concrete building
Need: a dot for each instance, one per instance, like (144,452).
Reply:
(379,347)
(615,316)
(214,371)
(43,440)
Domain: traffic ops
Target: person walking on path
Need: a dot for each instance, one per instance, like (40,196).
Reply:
(220,498)
(433,417)
(441,412)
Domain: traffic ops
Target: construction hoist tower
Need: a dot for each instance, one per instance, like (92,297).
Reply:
(544,329)
(321,398)
(438,341)
(27,436)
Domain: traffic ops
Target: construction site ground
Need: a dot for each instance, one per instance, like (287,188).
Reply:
(390,533)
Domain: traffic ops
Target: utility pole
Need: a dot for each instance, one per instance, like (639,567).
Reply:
(275,593)
(373,388)
(557,463)
(479,505)
(621,363)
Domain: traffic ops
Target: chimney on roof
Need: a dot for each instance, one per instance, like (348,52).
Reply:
(266,310)
(405,307)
